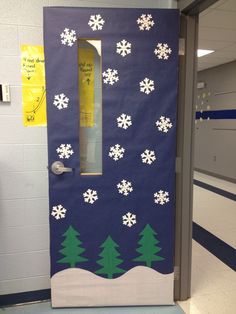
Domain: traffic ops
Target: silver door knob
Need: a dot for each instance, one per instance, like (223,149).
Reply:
(59,168)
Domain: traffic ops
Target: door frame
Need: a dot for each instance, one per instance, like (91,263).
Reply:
(190,10)
(184,158)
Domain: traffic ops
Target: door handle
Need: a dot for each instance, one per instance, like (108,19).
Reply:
(58,167)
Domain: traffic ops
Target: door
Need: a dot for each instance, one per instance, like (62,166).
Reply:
(111,79)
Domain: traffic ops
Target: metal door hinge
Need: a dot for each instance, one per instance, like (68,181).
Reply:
(176,272)
(181,46)
(178,165)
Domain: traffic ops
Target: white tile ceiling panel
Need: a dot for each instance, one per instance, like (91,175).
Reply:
(217,31)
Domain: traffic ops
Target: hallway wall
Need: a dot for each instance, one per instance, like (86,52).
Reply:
(215,149)
(24,230)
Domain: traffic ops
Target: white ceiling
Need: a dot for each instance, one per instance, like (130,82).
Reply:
(217,31)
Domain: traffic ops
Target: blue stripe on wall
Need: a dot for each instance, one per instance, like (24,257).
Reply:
(216,190)
(217,114)
(24,297)
(216,246)
(209,241)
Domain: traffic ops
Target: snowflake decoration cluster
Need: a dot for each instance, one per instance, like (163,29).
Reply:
(124,187)
(164,124)
(68,36)
(90,196)
(117,152)
(110,76)
(96,22)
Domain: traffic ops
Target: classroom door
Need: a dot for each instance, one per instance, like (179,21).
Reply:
(111,81)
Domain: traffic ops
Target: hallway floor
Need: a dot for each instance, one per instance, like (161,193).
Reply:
(213,285)
(45,308)
(213,282)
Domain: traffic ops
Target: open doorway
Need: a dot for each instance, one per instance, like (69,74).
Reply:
(214,193)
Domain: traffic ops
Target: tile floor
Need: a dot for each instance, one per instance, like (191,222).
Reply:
(213,283)
(45,308)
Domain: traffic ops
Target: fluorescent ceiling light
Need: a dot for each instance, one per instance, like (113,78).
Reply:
(203,52)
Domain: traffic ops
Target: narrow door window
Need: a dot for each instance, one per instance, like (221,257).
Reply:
(90,106)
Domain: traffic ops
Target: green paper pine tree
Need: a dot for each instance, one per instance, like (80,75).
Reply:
(148,247)
(71,248)
(109,260)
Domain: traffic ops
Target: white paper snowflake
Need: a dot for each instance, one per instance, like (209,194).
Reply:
(110,76)
(162,51)
(68,37)
(65,151)
(123,47)
(116,152)
(161,197)
(163,124)
(129,219)
(124,187)
(146,86)
(61,101)
(58,212)
(148,156)
(145,22)
(90,196)
(124,121)
(96,22)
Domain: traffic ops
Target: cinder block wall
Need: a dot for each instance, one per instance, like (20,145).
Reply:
(24,229)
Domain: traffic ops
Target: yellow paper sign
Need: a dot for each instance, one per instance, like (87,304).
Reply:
(86,86)
(33,85)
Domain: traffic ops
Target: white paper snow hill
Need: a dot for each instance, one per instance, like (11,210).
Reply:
(141,285)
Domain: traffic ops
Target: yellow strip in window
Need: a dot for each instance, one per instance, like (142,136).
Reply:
(86,86)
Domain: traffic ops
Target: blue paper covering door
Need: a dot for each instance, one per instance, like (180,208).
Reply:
(112,234)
